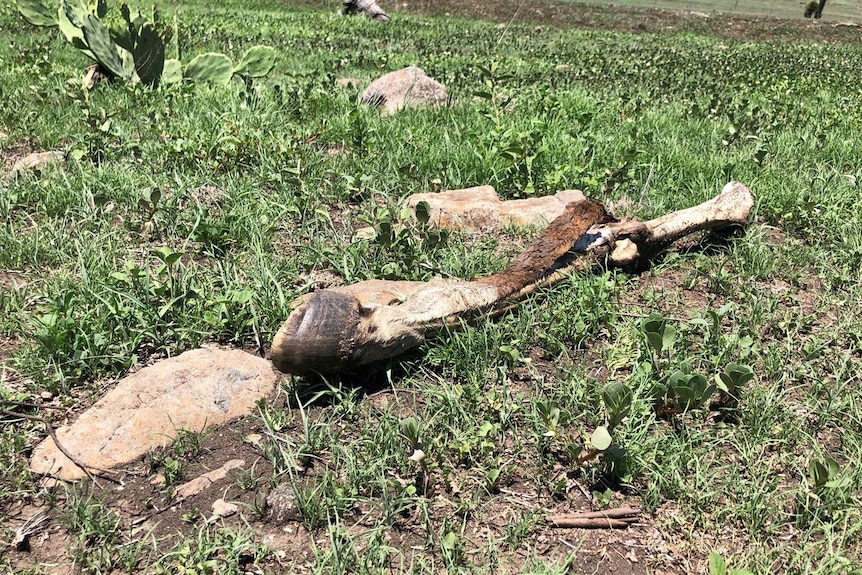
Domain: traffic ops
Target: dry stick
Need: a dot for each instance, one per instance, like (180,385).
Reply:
(144,518)
(610,519)
(84,467)
(618,513)
(566,522)
(33,405)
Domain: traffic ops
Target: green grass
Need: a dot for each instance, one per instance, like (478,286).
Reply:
(258,192)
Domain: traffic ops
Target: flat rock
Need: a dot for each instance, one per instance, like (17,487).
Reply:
(200,484)
(194,391)
(479,208)
(222,508)
(37,160)
(406,88)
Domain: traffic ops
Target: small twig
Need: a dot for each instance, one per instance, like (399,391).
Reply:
(588,455)
(144,518)
(618,513)
(33,405)
(567,522)
(83,466)
(610,519)
(89,357)
(587,495)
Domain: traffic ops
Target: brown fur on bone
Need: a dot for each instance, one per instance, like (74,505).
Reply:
(344,328)
(334,330)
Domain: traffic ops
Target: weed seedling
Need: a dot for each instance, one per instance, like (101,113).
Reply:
(410,431)
(718,566)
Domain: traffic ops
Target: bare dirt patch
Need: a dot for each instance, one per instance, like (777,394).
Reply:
(12,280)
(143,502)
(8,346)
(622,19)
(9,154)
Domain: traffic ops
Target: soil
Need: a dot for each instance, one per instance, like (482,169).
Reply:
(9,154)
(143,502)
(563,14)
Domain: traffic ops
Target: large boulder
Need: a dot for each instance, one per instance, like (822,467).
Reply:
(409,87)
(194,391)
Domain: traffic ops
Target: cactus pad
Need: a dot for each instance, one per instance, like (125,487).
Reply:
(210,67)
(256,62)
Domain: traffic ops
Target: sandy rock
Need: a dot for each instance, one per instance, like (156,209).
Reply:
(255,439)
(409,87)
(222,508)
(480,208)
(199,484)
(37,160)
(194,391)
(282,504)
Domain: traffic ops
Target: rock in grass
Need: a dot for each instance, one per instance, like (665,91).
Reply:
(410,87)
(282,504)
(205,481)
(37,160)
(194,391)
(480,208)
(222,508)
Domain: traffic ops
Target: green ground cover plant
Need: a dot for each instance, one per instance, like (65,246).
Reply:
(717,390)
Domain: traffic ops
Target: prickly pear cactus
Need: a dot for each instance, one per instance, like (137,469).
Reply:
(210,67)
(173,72)
(149,55)
(256,62)
(70,19)
(98,8)
(107,53)
(135,46)
(37,13)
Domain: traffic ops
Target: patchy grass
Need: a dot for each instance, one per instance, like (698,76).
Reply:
(257,190)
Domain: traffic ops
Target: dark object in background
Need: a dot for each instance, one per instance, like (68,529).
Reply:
(820,8)
(367,7)
(815,8)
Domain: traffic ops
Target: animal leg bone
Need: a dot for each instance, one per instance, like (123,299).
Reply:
(344,328)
